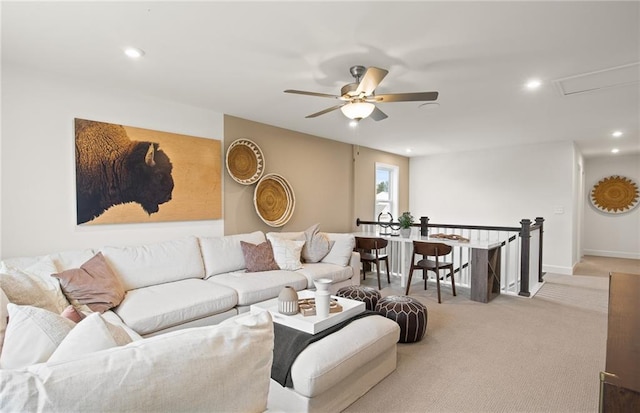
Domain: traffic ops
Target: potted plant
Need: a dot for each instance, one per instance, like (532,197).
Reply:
(405,220)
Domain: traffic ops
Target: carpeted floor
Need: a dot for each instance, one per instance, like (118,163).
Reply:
(602,266)
(514,354)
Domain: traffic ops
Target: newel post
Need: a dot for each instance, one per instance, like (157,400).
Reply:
(525,239)
(424,229)
(540,221)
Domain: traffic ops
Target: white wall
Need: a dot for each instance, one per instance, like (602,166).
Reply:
(38,161)
(501,187)
(611,235)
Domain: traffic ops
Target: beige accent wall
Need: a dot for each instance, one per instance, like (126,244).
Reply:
(333,182)
(365,181)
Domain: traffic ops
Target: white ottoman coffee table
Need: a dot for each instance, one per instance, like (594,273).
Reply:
(335,371)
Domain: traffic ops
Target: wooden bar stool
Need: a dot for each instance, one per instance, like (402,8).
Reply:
(435,250)
(369,249)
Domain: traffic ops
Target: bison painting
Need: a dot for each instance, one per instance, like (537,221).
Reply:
(112,169)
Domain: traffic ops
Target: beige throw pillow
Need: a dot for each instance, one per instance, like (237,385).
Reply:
(27,289)
(317,245)
(93,284)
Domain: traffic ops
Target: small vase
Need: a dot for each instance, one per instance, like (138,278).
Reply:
(288,301)
(405,232)
(323,299)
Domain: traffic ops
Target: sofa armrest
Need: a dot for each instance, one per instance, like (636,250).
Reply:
(355,265)
(197,369)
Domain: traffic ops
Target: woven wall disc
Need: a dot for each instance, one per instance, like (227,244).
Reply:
(274,200)
(245,162)
(615,194)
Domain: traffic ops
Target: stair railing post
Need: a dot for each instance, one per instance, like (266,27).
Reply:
(424,229)
(540,221)
(525,239)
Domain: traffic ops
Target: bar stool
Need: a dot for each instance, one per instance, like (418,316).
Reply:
(435,250)
(369,249)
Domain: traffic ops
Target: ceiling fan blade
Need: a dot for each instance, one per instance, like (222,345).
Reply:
(322,112)
(377,115)
(404,97)
(302,92)
(370,81)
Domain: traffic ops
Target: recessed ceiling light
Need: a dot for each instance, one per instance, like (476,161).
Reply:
(408,150)
(134,52)
(533,84)
(616,134)
(615,150)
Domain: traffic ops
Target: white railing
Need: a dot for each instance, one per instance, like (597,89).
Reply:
(517,244)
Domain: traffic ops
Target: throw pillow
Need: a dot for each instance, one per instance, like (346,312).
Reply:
(316,246)
(90,335)
(287,253)
(32,335)
(42,268)
(27,289)
(93,284)
(340,253)
(258,257)
(4,316)
(70,313)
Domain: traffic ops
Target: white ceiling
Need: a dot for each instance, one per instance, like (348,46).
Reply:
(238,57)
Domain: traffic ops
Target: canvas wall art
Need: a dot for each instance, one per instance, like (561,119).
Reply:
(126,174)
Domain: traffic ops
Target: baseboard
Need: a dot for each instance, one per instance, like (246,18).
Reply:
(613,254)
(557,269)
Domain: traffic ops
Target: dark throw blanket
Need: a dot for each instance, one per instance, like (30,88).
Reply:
(290,342)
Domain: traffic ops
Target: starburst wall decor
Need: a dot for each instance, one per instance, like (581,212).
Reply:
(615,194)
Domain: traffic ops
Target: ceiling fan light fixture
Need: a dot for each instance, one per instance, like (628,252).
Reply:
(357,110)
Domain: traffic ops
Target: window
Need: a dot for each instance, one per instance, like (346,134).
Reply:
(386,190)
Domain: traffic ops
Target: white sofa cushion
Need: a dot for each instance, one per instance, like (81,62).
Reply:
(294,236)
(319,367)
(91,334)
(336,273)
(224,254)
(253,287)
(152,264)
(4,316)
(340,253)
(222,368)
(161,306)
(32,335)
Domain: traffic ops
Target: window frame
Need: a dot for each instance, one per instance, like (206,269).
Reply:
(394,172)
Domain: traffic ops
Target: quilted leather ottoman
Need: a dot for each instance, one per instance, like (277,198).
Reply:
(409,313)
(337,370)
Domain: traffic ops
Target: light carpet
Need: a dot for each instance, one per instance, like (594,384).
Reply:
(514,354)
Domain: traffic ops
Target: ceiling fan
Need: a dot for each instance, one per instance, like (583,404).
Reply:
(359,97)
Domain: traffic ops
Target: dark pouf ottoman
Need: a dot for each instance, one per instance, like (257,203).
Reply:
(409,313)
(369,295)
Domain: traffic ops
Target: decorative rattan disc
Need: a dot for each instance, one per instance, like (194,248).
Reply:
(274,200)
(245,162)
(615,194)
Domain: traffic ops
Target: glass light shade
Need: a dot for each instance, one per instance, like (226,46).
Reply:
(357,110)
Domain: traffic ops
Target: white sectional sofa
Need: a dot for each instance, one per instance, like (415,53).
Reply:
(196,281)
(189,290)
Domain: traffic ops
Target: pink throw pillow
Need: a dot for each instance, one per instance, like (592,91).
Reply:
(258,257)
(93,284)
